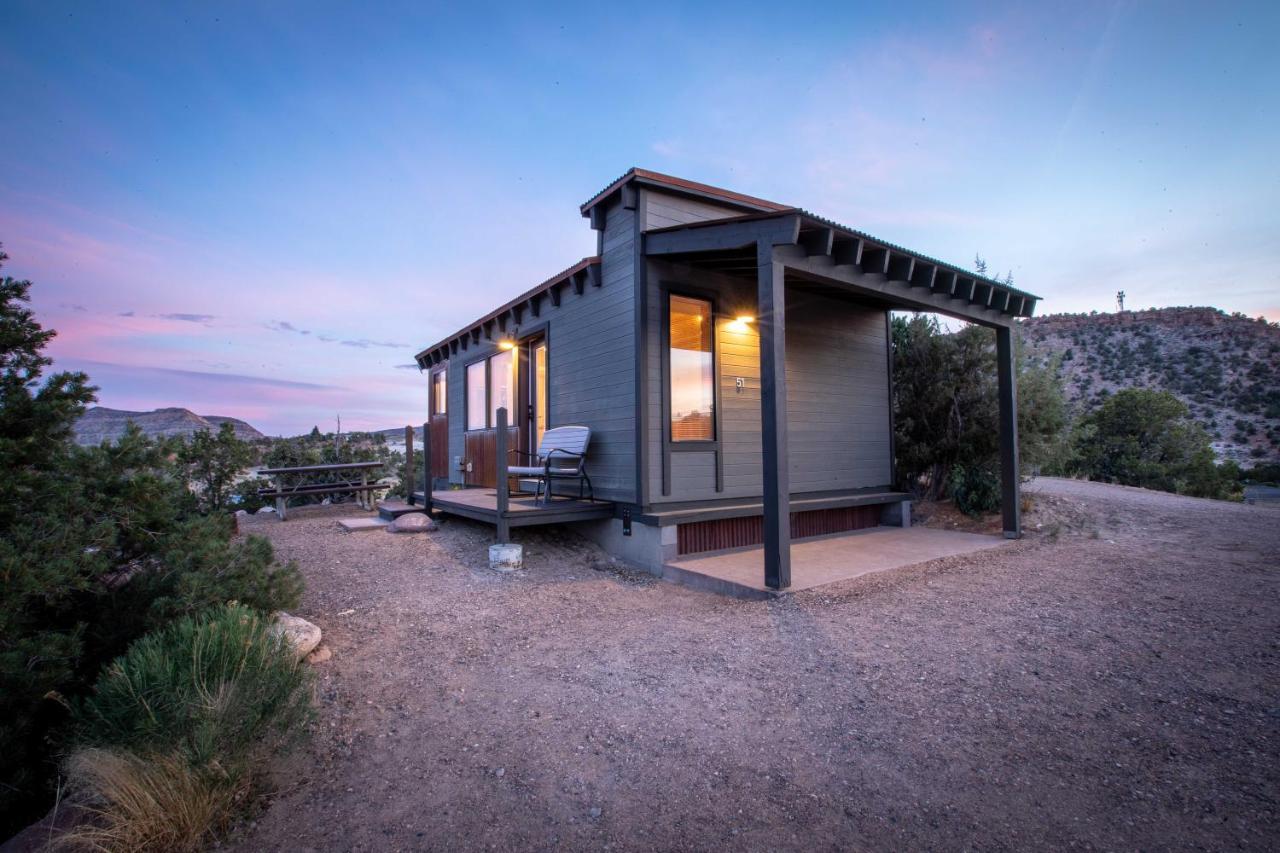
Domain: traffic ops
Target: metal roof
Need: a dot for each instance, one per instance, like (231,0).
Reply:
(647,176)
(589,265)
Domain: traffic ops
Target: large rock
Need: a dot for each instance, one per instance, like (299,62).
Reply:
(301,634)
(413,522)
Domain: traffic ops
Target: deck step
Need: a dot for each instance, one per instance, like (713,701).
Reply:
(392,509)
(352,525)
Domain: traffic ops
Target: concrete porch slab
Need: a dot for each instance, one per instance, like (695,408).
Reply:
(815,562)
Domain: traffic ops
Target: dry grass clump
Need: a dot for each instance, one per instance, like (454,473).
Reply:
(128,802)
(169,740)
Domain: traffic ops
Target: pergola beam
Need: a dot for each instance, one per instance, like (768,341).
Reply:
(817,241)
(847,253)
(875,260)
(888,290)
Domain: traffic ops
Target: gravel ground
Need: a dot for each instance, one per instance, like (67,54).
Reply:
(1112,681)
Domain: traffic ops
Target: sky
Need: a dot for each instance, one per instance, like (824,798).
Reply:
(264,210)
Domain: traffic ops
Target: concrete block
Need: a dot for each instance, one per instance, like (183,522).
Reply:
(506,558)
(896,514)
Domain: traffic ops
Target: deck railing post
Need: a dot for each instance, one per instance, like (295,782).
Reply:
(503,531)
(408,464)
(426,467)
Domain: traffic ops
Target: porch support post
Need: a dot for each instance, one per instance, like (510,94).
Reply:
(408,464)
(503,529)
(771,325)
(1010,500)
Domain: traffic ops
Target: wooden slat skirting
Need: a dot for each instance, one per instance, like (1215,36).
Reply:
(716,535)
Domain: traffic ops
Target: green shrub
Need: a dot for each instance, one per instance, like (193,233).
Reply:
(204,565)
(245,494)
(167,742)
(210,688)
(975,489)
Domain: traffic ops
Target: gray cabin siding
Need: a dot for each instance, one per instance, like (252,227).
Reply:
(590,358)
(590,353)
(662,210)
(838,393)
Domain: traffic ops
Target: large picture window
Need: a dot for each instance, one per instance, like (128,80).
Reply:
(477,397)
(692,369)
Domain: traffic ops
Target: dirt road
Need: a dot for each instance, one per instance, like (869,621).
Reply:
(1112,681)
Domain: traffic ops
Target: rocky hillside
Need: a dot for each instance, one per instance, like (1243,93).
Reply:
(102,424)
(1225,367)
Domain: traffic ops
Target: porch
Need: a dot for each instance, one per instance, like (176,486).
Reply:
(789,252)
(481,504)
(824,560)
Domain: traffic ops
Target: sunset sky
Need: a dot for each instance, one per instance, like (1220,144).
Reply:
(265,209)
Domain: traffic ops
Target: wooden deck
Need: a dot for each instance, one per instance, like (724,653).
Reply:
(482,505)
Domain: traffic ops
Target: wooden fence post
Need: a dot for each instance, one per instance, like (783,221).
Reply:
(426,466)
(408,463)
(504,531)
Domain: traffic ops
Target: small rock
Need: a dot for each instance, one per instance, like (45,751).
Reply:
(414,522)
(300,633)
(595,812)
(320,655)
(500,772)
(266,510)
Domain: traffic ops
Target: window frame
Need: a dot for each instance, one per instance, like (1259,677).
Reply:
(666,290)
(466,394)
(489,415)
(441,375)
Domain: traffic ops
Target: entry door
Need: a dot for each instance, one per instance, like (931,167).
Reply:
(536,393)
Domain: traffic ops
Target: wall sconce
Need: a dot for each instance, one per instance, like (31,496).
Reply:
(506,343)
(739,323)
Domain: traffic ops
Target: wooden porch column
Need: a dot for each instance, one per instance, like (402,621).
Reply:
(408,463)
(503,529)
(771,324)
(1010,499)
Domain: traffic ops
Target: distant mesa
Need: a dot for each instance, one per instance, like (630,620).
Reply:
(101,424)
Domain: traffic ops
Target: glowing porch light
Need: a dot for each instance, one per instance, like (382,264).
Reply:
(506,343)
(739,323)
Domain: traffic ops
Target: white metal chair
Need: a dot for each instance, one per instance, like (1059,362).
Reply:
(562,455)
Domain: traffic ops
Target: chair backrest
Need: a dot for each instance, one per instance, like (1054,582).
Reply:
(571,439)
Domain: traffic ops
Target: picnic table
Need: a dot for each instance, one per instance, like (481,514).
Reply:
(284,489)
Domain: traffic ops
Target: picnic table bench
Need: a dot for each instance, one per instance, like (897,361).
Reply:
(284,490)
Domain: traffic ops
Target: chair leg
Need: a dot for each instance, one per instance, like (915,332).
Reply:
(590,491)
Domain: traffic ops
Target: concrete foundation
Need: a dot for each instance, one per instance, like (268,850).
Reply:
(647,547)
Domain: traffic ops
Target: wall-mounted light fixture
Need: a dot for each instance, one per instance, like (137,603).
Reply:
(739,323)
(506,343)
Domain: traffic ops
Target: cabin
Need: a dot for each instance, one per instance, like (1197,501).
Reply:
(731,358)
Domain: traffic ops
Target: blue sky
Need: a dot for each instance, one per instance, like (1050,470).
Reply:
(194,186)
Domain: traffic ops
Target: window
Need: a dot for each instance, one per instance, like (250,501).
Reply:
(439,392)
(692,369)
(491,385)
(477,397)
(502,387)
